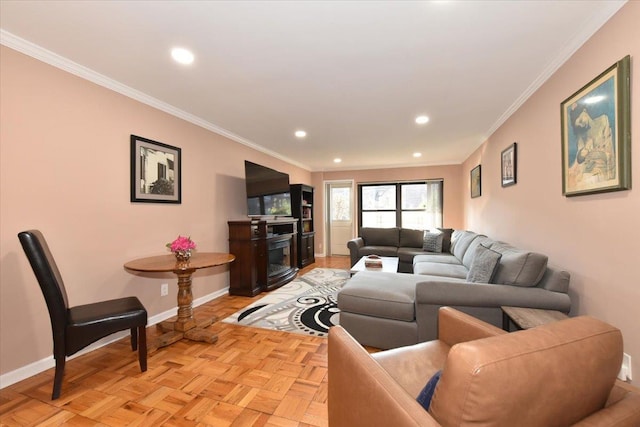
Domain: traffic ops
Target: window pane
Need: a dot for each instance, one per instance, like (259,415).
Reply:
(379,219)
(414,196)
(419,220)
(340,203)
(378,197)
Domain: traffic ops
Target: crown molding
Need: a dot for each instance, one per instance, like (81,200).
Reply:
(38,52)
(596,22)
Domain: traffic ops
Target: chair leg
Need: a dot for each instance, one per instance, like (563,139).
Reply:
(134,339)
(142,347)
(57,379)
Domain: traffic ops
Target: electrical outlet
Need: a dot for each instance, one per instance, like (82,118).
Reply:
(164,289)
(625,370)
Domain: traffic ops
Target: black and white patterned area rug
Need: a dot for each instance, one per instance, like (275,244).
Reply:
(306,305)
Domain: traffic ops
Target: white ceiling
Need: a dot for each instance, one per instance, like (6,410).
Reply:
(353,74)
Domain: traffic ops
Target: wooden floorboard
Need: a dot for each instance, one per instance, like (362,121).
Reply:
(250,377)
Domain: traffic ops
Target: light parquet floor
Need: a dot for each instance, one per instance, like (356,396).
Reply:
(250,377)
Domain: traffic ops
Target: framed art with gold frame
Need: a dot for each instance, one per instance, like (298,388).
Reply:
(596,134)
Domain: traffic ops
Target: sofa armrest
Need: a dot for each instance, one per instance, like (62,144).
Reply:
(362,393)
(456,293)
(354,246)
(480,300)
(455,327)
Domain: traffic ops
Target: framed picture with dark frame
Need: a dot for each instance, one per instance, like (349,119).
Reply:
(156,171)
(509,165)
(596,134)
(476,182)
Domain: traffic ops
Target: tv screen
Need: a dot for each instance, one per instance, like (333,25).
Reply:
(267,191)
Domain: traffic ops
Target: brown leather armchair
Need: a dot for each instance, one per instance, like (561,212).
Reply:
(560,374)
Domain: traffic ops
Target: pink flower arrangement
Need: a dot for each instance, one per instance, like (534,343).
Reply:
(182,244)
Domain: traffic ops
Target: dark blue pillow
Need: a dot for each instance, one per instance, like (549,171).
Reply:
(424,398)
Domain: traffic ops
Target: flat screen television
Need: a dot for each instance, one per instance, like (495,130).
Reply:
(268,192)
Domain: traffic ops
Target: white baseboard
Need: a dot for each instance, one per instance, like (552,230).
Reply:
(42,365)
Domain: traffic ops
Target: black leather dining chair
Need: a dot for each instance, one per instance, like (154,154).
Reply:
(74,328)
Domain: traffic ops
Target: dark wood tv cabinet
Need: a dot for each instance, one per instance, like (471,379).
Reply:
(266,255)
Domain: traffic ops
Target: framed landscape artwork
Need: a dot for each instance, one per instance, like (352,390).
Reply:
(509,165)
(476,182)
(596,134)
(156,171)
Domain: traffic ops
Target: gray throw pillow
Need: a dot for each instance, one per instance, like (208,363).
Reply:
(446,240)
(484,265)
(432,242)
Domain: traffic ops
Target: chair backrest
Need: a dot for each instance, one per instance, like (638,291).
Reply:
(51,284)
(556,374)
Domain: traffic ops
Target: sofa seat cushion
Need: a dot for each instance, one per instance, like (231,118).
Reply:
(379,250)
(380,294)
(408,254)
(518,267)
(380,236)
(441,269)
(442,258)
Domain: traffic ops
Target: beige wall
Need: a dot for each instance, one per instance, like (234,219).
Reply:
(64,169)
(594,237)
(452,209)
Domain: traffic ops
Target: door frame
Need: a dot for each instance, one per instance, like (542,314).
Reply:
(326,184)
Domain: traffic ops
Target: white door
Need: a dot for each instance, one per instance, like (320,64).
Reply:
(340,214)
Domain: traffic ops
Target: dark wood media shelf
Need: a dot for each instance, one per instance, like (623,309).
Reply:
(266,255)
(302,209)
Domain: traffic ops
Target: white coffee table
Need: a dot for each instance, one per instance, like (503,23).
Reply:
(389,265)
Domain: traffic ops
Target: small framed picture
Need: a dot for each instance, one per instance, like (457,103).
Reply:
(476,182)
(156,171)
(509,165)
(596,134)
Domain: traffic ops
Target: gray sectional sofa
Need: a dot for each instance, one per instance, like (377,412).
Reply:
(403,243)
(387,310)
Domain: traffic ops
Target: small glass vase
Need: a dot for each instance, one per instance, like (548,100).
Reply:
(183,256)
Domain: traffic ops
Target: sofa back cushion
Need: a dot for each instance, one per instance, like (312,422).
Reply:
(411,238)
(462,242)
(556,374)
(555,280)
(380,236)
(518,267)
(470,253)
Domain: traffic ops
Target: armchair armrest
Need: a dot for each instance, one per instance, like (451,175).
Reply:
(362,393)
(622,408)
(354,246)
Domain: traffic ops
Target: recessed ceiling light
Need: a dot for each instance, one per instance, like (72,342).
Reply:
(337,160)
(422,120)
(417,154)
(182,55)
(300,133)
